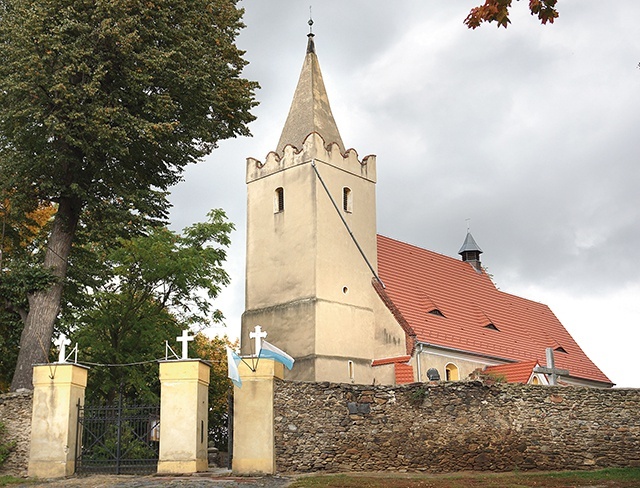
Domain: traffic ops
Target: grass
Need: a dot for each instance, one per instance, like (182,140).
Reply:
(12,480)
(605,478)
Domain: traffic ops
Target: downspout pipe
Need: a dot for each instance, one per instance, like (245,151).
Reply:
(418,363)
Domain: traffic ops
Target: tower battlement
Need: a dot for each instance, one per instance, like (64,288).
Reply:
(313,148)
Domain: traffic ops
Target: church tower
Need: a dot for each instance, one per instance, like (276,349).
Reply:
(311,242)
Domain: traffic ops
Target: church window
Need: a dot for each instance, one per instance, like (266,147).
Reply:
(347,200)
(278,200)
(451,372)
(351,369)
(535,381)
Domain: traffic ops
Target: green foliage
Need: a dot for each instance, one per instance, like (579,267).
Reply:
(5,446)
(12,480)
(220,386)
(21,240)
(418,396)
(131,446)
(487,378)
(618,477)
(102,105)
(153,287)
(608,474)
(105,99)
(126,337)
(10,330)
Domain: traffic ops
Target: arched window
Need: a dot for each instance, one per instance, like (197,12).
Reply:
(451,372)
(535,381)
(278,200)
(347,200)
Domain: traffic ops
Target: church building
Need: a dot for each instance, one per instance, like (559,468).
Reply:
(354,306)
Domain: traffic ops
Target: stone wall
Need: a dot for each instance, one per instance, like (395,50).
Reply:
(453,427)
(15,414)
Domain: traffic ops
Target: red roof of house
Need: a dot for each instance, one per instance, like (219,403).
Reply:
(396,359)
(513,372)
(404,373)
(419,281)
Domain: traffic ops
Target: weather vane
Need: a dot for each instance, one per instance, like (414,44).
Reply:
(310,21)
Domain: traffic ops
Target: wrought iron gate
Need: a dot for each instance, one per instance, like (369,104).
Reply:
(120,439)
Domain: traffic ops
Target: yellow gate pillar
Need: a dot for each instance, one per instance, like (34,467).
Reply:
(58,388)
(184,404)
(253,430)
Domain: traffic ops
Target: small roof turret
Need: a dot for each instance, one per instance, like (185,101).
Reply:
(470,252)
(310,110)
(469,244)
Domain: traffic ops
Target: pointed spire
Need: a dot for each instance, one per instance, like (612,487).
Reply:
(310,110)
(470,244)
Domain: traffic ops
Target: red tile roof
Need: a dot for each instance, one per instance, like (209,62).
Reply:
(404,373)
(513,372)
(415,279)
(397,359)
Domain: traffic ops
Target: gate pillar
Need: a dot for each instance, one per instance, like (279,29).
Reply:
(253,429)
(184,405)
(58,389)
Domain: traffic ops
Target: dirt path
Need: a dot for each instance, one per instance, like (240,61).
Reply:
(208,480)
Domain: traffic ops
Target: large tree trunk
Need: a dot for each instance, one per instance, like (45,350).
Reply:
(44,305)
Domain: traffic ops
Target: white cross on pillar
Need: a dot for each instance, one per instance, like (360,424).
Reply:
(185,338)
(62,342)
(258,334)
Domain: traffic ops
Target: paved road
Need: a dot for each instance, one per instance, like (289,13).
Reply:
(208,480)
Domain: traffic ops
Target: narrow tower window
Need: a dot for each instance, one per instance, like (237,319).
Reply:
(347,200)
(278,200)
(351,369)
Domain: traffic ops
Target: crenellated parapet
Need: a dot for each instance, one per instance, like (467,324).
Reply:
(313,148)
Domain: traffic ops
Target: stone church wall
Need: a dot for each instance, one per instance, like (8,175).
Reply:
(453,427)
(15,414)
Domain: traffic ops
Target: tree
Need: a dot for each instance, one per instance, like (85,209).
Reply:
(498,11)
(21,243)
(102,105)
(158,285)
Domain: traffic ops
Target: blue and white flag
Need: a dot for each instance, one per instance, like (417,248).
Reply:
(232,364)
(272,352)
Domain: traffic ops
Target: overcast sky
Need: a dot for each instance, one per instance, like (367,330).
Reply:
(532,133)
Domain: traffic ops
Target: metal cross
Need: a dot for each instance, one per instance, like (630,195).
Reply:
(185,338)
(62,342)
(258,335)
